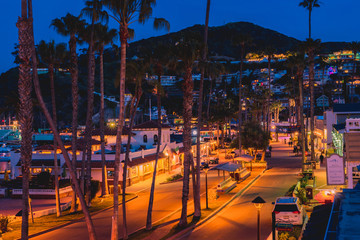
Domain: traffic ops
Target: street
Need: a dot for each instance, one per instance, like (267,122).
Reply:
(239,219)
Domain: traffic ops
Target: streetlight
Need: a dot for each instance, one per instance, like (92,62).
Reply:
(258,203)
(168,160)
(206,169)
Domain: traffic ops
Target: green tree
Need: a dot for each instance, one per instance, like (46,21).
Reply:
(254,137)
(126,12)
(71,25)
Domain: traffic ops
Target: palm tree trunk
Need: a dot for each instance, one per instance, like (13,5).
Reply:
(152,190)
(310,23)
(301,117)
(188,98)
(269,95)
(75,104)
(209,99)
(104,184)
(25,110)
(240,96)
(197,212)
(56,174)
(312,105)
(89,224)
(89,114)
(115,233)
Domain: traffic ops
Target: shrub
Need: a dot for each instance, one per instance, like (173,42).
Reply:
(174,178)
(43,178)
(4,222)
(95,187)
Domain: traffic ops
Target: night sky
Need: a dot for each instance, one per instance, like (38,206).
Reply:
(333,21)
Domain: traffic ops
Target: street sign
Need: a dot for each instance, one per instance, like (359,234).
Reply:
(335,171)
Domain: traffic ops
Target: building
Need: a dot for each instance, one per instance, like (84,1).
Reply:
(338,115)
(322,101)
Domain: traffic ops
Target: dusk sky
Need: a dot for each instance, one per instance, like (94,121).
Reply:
(333,21)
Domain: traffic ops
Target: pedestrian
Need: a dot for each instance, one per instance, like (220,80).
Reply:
(285,140)
(270,148)
(321,159)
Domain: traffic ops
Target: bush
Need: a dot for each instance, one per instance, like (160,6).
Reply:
(174,178)
(290,191)
(4,222)
(43,178)
(95,187)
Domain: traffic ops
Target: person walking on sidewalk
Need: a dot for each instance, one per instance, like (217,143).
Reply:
(321,158)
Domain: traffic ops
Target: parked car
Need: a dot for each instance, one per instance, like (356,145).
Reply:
(288,210)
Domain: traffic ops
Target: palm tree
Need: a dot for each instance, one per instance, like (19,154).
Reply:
(197,205)
(126,12)
(355,48)
(93,9)
(31,50)
(269,52)
(158,58)
(311,47)
(51,55)
(104,36)
(24,25)
(309,5)
(187,51)
(71,25)
(241,40)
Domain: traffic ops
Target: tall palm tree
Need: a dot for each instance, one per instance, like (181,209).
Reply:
(309,5)
(52,54)
(24,25)
(299,61)
(187,51)
(31,50)
(71,25)
(93,10)
(158,59)
(269,52)
(126,12)
(311,47)
(197,205)
(104,36)
(243,41)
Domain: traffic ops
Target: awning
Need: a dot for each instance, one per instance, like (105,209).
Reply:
(244,157)
(229,167)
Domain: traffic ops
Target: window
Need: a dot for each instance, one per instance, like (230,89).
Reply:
(145,138)
(155,139)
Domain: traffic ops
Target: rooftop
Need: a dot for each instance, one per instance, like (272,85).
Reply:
(349,107)
(149,124)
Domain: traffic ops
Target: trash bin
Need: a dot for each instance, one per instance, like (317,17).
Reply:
(309,191)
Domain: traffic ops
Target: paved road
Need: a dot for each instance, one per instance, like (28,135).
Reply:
(167,200)
(239,220)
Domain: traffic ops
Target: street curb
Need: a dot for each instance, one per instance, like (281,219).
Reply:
(186,230)
(76,220)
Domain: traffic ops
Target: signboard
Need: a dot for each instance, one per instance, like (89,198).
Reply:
(335,171)
(284,227)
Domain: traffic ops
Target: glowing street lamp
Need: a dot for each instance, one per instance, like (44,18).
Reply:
(258,203)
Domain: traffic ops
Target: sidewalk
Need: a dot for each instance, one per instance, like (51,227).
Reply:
(9,206)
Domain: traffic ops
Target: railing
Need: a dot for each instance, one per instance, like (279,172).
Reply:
(42,191)
(331,232)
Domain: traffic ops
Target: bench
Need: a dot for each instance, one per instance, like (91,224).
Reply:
(226,186)
(240,175)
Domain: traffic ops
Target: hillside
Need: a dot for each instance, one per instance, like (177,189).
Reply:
(220,40)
